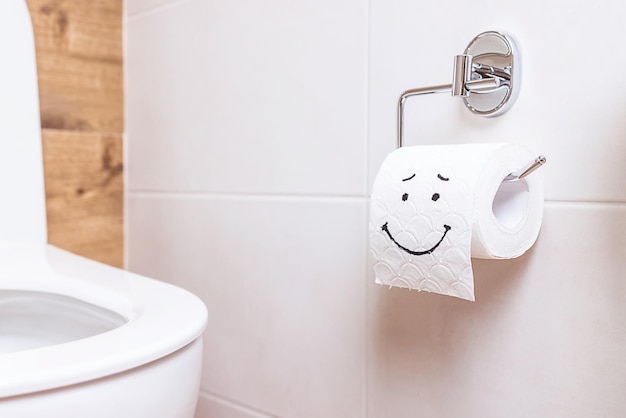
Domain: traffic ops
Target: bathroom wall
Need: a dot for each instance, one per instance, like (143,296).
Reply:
(254,133)
(79,63)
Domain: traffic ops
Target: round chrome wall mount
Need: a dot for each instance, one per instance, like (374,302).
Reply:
(494,55)
(486,76)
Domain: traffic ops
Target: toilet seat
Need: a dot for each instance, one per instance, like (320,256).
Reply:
(82,377)
(161,319)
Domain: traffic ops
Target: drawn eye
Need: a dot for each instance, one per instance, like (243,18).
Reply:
(405,197)
(435,197)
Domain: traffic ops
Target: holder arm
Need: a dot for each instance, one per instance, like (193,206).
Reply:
(472,85)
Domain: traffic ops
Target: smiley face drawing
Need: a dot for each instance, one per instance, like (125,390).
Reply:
(420,229)
(425,205)
(445,228)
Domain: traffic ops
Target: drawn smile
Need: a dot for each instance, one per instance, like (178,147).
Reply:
(433,248)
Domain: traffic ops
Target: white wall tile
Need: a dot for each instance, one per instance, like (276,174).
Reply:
(283,283)
(242,96)
(544,338)
(577,125)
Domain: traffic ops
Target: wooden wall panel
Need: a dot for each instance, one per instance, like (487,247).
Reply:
(79,63)
(73,94)
(79,60)
(85,192)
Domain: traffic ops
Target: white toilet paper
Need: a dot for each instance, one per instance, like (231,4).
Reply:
(435,207)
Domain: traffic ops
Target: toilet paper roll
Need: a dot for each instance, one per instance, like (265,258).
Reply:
(434,207)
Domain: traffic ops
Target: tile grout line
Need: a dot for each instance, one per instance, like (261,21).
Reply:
(235,405)
(246,196)
(125,137)
(315,197)
(366,316)
(584,202)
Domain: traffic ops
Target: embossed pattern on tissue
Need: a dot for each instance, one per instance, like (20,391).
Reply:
(416,219)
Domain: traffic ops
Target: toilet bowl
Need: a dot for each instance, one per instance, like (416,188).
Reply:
(77,338)
(82,339)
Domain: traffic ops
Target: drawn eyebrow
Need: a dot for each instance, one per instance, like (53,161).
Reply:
(440,177)
(409,178)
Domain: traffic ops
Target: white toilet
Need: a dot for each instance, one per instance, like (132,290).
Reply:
(77,338)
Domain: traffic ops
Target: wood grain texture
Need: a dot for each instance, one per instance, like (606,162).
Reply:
(79,64)
(84,193)
(79,60)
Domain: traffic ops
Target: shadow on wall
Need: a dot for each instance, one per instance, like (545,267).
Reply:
(400,312)
(424,344)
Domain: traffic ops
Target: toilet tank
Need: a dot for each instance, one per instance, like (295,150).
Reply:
(22,195)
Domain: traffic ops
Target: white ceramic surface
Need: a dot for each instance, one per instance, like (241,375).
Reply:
(33,319)
(23,210)
(279,86)
(302,322)
(162,319)
(139,392)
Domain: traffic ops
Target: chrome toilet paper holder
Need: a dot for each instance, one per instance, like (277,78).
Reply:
(486,76)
